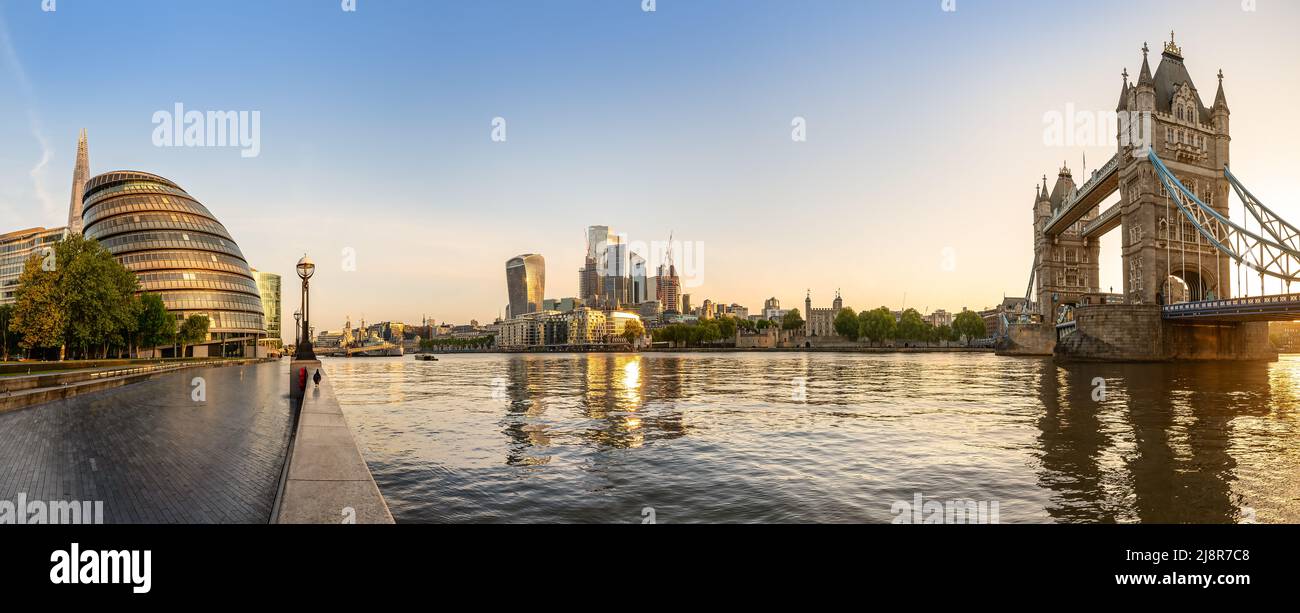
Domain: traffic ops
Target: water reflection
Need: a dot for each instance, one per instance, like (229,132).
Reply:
(824,437)
(1153,445)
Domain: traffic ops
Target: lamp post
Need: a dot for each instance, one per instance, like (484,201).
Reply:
(297,327)
(306,268)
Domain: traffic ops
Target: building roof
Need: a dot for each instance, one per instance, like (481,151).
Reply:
(1171,75)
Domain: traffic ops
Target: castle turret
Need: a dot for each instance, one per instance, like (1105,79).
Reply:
(807,313)
(1123,94)
(1145,90)
(1220,115)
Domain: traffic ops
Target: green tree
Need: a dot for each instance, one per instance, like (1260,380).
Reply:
(877,325)
(726,327)
(97,296)
(632,331)
(792,320)
(9,337)
(969,325)
(945,333)
(847,325)
(38,304)
(911,326)
(193,330)
(155,327)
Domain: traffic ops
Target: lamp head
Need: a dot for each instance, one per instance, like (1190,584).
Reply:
(306,268)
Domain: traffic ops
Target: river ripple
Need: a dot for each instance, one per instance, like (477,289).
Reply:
(822,437)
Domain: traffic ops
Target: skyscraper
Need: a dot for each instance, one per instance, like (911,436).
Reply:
(268,286)
(668,288)
(591,283)
(638,292)
(614,290)
(525,283)
(80,174)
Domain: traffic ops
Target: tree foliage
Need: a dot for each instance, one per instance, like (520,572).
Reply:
(970,325)
(847,325)
(38,304)
(154,325)
(911,327)
(8,339)
(792,320)
(478,342)
(633,330)
(76,296)
(703,332)
(877,325)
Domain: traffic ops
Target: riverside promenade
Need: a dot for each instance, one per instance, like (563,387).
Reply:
(152,452)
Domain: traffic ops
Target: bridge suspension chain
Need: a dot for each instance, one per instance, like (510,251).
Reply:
(1265,255)
(1279,229)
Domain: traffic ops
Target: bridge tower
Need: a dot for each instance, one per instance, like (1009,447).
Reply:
(1164,257)
(1067,266)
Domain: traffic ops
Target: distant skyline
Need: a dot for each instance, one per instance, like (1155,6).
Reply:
(924,134)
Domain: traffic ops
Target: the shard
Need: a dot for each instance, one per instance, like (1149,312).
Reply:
(80,175)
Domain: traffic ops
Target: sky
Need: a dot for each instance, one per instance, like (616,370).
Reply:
(924,133)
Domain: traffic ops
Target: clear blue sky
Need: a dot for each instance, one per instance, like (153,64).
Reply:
(924,132)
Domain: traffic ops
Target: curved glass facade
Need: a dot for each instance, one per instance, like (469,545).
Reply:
(176,248)
(526,283)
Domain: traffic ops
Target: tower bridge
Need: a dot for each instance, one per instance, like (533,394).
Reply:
(1179,299)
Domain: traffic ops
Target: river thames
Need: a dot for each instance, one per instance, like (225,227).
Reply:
(822,437)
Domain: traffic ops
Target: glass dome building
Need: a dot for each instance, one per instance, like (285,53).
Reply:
(177,249)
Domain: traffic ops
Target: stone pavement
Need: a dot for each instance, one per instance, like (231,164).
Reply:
(152,453)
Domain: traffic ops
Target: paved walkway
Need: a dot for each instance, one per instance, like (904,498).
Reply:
(151,453)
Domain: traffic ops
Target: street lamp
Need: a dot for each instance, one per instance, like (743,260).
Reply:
(297,327)
(306,268)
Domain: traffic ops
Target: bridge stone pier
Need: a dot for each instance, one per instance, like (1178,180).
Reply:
(1139,333)
(1169,172)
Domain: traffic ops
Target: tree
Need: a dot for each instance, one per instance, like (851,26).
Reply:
(846,324)
(970,325)
(155,327)
(9,338)
(38,304)
(193,330)
(97,295)
(910,326)
(877,325)
(792,320)
(632,331)
(945,333)
(726,327)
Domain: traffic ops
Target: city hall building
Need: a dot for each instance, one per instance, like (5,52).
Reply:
(178,250)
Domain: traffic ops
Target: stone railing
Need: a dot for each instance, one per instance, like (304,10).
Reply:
(326,480)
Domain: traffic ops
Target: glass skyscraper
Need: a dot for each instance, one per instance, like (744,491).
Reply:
(526,283)
(268,285)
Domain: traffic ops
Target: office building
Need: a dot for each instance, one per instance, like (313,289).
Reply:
(18,247)
(268,286)
(179,250)
(525,284)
